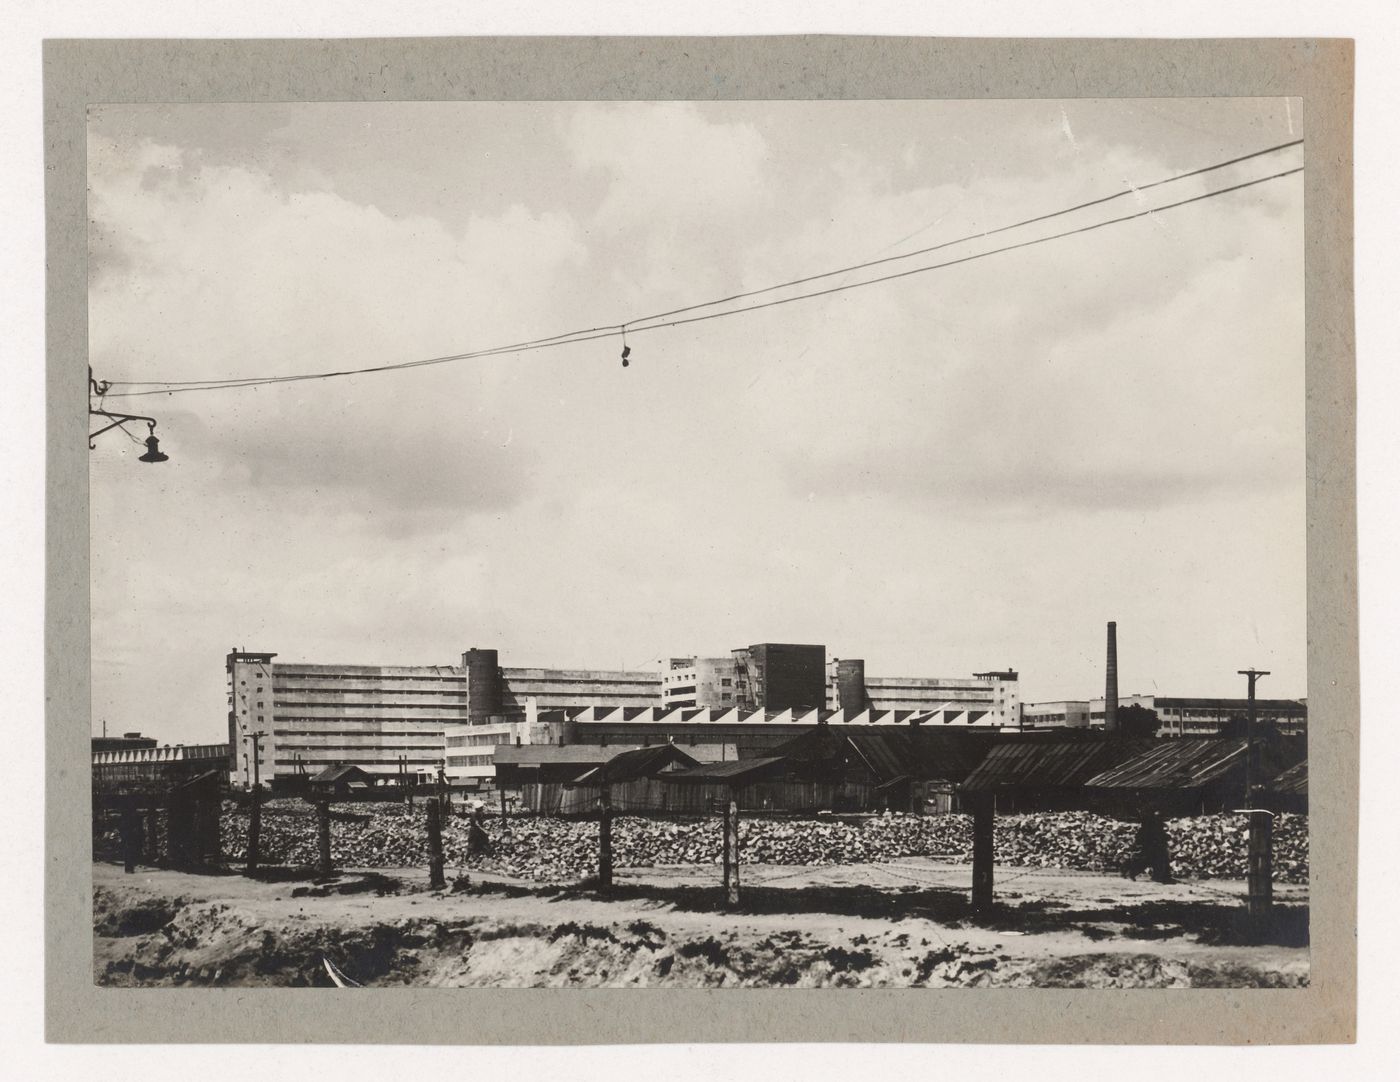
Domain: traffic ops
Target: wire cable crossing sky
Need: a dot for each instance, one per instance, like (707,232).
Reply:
(655,322)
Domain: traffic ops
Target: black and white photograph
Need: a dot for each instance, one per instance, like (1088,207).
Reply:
(719,544)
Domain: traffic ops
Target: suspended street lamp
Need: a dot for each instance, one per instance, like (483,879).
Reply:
(118,420)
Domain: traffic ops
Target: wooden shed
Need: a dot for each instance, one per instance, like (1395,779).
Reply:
(634,779)
(342,783)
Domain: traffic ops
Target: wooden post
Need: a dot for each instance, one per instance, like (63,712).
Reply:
(983,820)
(503,805)
(130,826)
(323,839)
(1260,899)
(254,832)
(435,859)
(255,812)
(152,837)
(211,850)
(605,868)
(724,845)
(731,850)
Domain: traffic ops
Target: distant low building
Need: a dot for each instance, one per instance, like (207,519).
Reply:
(1064,714)
(125,742)
(1176,716)
(150,766)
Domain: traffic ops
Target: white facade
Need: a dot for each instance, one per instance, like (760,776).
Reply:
(698,682)
(734,716)
(469,751)
(1065,714)
(986,699)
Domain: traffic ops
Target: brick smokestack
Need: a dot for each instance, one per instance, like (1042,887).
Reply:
(1110,694)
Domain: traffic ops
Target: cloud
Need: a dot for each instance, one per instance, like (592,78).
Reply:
(1111,424)
(209,271)
(1150,366)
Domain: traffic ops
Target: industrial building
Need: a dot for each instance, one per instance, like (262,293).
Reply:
(125,742)
(788,676)
(699,682)
(149,766)
(1176,716)
(396,719)
(1065,714)
(414,721)
(764,676)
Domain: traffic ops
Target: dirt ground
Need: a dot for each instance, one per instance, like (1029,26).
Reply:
(899,924)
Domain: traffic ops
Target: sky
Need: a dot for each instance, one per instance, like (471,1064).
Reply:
(970,468)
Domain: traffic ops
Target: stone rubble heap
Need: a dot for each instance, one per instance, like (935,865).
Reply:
(563,850)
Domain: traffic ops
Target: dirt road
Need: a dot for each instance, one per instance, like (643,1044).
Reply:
(898,924)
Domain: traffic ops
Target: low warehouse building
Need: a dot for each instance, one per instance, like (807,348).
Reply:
(1047,772)
(1190,776)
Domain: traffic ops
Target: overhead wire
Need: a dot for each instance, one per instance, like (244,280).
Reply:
(662,320)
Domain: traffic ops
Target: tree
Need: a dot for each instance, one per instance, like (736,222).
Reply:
(1137,722)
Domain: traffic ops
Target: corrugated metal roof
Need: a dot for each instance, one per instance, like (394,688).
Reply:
(539,754)
(1292,782)
(735,773)
(908,750)
(1048,764)
(344,772)
(637,763)
(1175,763)
(919,752)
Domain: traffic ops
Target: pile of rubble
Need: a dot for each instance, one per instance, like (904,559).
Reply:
(547,849)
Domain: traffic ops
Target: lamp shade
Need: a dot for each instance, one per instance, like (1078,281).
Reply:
(153,452)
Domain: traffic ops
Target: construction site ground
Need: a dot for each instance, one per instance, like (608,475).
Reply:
(906,923)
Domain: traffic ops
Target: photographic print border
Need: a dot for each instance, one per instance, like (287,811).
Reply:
(80,73)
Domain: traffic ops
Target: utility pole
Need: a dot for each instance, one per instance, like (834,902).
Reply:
(255,811)
(1249,764)
(1260,897)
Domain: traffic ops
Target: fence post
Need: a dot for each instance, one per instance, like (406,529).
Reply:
(731,850)
(1260,899)
(130,826)
(211,850)
(724,845)
(254,830)
(153,852)
(323,839)
(435,859)
(983,821)
(605,869)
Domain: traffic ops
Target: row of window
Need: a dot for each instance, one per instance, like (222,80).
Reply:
(357,732)
(322,719)
(519,683)
(357,761)
(879,686)
(283,674)
(369,690)
(283,746)
(476,741)
(470,760)
(376,706)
